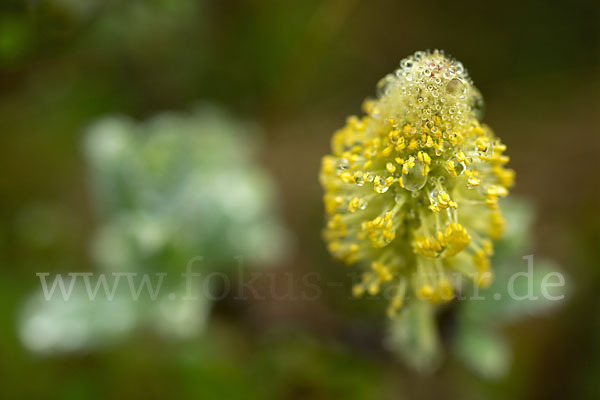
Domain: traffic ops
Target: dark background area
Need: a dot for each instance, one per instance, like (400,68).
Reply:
(298,69)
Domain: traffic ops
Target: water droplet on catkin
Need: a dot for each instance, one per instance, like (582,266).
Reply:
(415,179)
(455,87)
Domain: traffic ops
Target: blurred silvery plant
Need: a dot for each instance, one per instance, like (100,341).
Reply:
(177,191)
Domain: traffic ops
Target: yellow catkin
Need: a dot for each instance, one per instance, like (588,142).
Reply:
(414,187)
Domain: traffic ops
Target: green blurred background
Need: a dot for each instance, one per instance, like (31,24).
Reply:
(296,69)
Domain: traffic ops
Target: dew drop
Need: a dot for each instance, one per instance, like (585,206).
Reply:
(381,187)
(342,166)
(360,180)
(455,87)
(433,197)
(414,180)
(384,85)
